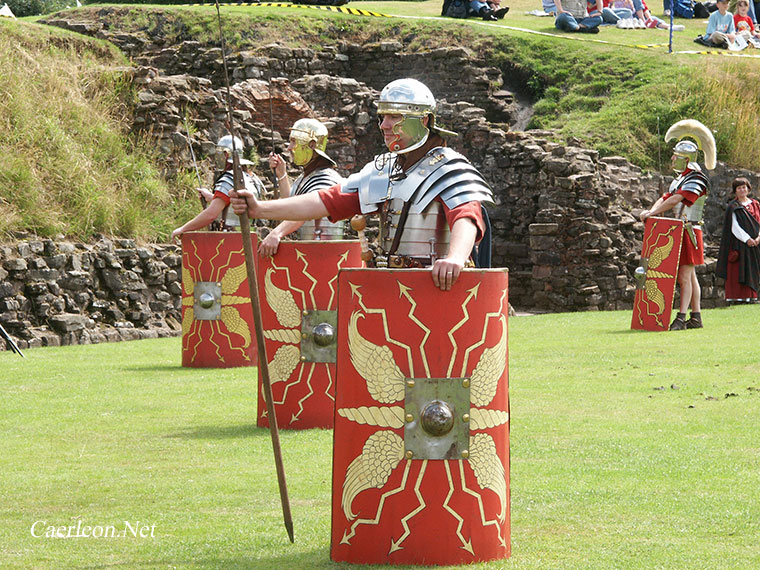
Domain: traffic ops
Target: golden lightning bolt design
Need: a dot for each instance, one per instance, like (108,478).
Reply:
(404,292)
(473,294)
(331,283)
(290,283)
(396,545)
(211,341)
(355,291)
(288,386)
(297,416)
(329,383)
(477,496)
(348,536)
(466,544)
(196,330)
(300,256)
(496,314)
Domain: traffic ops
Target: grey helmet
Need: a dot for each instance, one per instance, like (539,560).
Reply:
(413,101)
(225,148)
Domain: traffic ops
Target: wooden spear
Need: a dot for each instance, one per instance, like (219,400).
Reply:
(245,227)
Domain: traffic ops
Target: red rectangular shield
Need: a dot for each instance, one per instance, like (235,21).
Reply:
(298,288)
(217,319)
(657,274)
(421,441)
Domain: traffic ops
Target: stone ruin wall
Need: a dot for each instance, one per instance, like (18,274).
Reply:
(564,221)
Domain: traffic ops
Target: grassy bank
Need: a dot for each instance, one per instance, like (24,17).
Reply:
(624,455)
(70,166)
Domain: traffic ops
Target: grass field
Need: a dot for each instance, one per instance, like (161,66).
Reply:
(623,454)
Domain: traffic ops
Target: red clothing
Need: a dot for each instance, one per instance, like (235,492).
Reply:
(343,205)
(691,255)
(735,291)
(743,23)
(223,196)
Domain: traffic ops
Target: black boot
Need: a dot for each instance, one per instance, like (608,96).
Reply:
(695,321)
(501,12)
(679,323)
(487,15)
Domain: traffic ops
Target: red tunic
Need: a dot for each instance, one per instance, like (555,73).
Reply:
(690,254)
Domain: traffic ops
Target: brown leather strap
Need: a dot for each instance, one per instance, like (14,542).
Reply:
(400,227)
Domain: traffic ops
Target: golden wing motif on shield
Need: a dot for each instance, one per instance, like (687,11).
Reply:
(232,279)
(282,303)
(488,468)
(371,469)
(236,324)
(659,254)
(485,378)
(654,294)
(375,364)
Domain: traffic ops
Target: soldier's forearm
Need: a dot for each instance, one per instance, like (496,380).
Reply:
(296,208)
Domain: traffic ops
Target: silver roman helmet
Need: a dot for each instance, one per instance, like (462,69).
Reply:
(413,101)
(302,134)
(225,148)
(686,152)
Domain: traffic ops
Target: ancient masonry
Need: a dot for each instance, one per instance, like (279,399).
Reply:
(564,222)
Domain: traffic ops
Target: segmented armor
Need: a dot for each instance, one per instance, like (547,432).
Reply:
(225,183)
(321,229)
(696,182)
(444,174)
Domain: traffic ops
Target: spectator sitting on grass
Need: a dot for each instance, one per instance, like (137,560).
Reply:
(484,10)
(720,28)
(743,24)
(572,16)
(752,13)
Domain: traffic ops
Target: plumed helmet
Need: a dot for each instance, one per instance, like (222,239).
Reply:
(686,151)
(225,144)
(302,134)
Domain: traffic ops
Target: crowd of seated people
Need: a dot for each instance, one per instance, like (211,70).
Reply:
(727,18)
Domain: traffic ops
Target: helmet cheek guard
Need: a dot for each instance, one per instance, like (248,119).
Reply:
(413,101)
(684,153)
(413,129)
(302,153)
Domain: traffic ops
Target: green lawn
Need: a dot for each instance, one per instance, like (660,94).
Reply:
(623,454)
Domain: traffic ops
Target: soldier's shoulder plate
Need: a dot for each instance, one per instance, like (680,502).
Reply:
(695,182)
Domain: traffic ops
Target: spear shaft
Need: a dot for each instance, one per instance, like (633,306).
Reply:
(245,227)
(195,164)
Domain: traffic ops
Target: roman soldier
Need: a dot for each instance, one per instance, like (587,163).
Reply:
(307,144)
(428,196)
(218,209)
(687,196)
